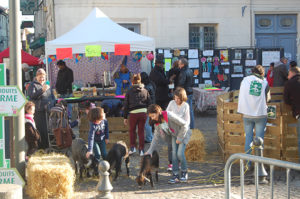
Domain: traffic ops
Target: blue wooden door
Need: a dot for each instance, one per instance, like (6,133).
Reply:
(275,31)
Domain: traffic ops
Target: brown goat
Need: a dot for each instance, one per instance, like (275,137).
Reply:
(147,164)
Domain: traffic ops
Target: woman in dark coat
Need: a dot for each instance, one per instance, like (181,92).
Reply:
(40,93)
(136,101)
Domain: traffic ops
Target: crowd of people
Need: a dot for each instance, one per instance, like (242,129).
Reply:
(159,107)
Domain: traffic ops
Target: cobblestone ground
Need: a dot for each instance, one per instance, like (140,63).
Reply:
(199,185)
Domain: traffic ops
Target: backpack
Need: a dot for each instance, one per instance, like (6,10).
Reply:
(59,125)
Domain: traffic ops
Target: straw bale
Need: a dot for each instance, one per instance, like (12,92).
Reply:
(195,149)
(50,176)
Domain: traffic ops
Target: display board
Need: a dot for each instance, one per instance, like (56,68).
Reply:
(224,67)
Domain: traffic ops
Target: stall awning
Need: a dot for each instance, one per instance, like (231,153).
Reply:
(26,58)
(98,29)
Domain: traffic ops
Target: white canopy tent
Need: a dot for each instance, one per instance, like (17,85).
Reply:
(98,29)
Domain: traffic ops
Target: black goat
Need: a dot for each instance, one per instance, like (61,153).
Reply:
(115,155)
(148,163)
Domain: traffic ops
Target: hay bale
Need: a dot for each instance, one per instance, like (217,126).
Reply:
(50,175)
(195,149)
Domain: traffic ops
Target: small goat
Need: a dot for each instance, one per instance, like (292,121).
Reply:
(147,164)
(115,155)
(82,163)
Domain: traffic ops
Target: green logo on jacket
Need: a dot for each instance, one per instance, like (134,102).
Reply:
(255,88)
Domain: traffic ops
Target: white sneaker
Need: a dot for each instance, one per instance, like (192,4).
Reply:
(141,152)
(132,150)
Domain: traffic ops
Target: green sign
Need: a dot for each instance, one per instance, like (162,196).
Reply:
(255,88)
(168,64)
(2,142)
(93,51)
(12,100)
(271,111)
(2,75)
(11,176)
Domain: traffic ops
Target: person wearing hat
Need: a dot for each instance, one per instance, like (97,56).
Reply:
(40,93)
(159,78)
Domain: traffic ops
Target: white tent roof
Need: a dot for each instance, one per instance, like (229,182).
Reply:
(98,29)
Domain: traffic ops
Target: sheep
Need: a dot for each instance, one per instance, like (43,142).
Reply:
(148,163)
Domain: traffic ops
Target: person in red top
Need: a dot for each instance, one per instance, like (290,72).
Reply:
(270,75)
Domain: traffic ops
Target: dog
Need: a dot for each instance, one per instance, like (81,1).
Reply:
(148,163)
(115,155)
(82,163)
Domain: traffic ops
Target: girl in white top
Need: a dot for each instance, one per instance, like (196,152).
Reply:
(182,110)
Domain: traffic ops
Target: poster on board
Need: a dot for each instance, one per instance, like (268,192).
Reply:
(270,56)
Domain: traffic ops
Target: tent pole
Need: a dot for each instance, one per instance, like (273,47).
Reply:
(47,70)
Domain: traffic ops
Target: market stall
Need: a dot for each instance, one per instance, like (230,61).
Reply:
(95,50)
(26,58)
(97,29)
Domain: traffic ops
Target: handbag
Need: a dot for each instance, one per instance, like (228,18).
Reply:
(63,136)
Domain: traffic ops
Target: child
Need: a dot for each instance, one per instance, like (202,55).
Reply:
(171,128)
(98,134)
(32,136)
(181,109)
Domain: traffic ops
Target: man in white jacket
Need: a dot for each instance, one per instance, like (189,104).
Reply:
(253,97)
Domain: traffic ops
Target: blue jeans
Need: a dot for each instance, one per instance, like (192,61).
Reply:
(99,149)
(69,105)
(148,131)
(190,102)
(298,131)
(178,154)
(249,124)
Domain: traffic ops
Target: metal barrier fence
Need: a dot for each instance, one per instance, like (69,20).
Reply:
(257,160)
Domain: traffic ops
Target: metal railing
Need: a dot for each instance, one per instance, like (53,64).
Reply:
(257,160)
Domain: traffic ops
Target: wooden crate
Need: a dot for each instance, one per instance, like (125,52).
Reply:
(231,136)
(273,138)
(289,137)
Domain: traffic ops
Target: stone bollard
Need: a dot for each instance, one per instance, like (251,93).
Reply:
(104,186)
(11,191)
(258,151)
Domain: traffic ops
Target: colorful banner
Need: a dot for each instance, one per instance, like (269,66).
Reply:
(63,53)
(122,49)
(93,51)
(137,56)
(51,58)
(78,57)
(104,56)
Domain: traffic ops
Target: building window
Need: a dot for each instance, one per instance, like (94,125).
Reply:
(132,27)
(202,36)
(286,22)
(264,22)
